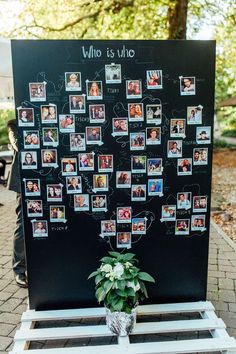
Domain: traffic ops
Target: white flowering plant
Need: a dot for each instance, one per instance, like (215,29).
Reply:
(119,283)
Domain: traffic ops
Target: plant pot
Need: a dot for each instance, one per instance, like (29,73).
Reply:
(121,323)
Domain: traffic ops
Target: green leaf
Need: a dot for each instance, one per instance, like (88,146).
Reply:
(100,294)
(128,256)
(130,292)
(93,274)
(98,278)
(146,277)
(114,254)
(119,305)
(143,288)
(121,284)
(106,260)
(107,286)
(122,293)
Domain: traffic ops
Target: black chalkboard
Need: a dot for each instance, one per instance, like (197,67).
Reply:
(61,255)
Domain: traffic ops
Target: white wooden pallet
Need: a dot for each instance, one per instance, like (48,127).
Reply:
(220,341)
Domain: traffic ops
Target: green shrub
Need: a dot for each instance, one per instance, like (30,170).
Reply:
(5,116)
(221,143)
(229,133)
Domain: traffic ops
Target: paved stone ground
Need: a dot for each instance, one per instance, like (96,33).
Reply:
(13,300)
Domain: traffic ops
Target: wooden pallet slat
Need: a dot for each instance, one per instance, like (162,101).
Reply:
(220,340)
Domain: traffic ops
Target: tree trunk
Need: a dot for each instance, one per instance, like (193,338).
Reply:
(177,18)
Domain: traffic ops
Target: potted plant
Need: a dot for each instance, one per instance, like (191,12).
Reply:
(120,285)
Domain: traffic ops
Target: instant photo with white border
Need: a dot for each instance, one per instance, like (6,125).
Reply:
(177,130)
(77,103)
(196,227)
(166,215)
(157,185)
(73,81)
(30,206)
(185,167)
(194,115)
(154,169)
(54,192)
(154,116)
(154,79)
(199,207)
(135,164)
(37,91)
(25,117)
(48,113)
(49,158)
(51,139)
(73,184)
(64,125)
(187,85)
(32,192)
(96,96)
(69,166)
(121,244)
(111,231)
(97,113)
(132,92)
(138,115)
(96,200)
(31,134)
(121,219)
(113,73)
(119,132)
(138,192)
(105,166)
(93,139)
(202,154)
(82,204)
(136,139)
(184,232)
(141,226)
(85,160)
(104,180)
(77,142)
(29,160)
(58,215)
(174,148)
(184,202)
(122,181)
(38,231)
(203,135)
(153,136)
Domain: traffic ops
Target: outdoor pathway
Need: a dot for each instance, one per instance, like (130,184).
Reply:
(13,300)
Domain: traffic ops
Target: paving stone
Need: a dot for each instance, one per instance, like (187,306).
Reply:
(220,305)
(213,295)
(212,287)
(12,288)
(4,342)
(227,295)
(232,308)
(227,284)
(10,305)
(216,273)
(21,308)
(10,318)
(231,275)
(6,329)
(4,260)
(21,293)
(213,267)
(224,268)
(4,283)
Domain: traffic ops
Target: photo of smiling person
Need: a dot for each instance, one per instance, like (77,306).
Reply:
(153,136)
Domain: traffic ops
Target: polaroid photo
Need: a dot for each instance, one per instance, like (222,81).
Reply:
(177,128)
(77,104)
(81,202)
(48,113)
(113,74)
(31,139)
(77,142)
(184,200)
(124,215)
(29,160)
(168,213)
(54,192)
(123,179)
(198,222)
(73,185)
(69,166)
(105,163)
(100,183)
(108,228)
(187,85)
(194,115)
(137,141)
(200,203)
(154,79)
(99,203)
(174,148)
(123,240)
(153,136)
(138,192)
(184,167)
(138,164)
(119,126)
(50,137)
(37,91)
(32,187)
(154,166)
(93,135)
(34,208)
(25,117)
(154,114)
(67,123)
(203,135)
(86,162)
(182,226)
(139,226)
(155,187)
(94,90)
(73,81)
(40,228)
(57,213)
(133,89)
(49,158)
(200,156)
(135,111)
(97,113)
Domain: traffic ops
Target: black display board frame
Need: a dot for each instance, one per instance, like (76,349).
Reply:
(59,264)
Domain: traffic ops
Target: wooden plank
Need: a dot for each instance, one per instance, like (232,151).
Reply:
(103,331)
(220,333)
(177,347)
(22,344)
(32,315)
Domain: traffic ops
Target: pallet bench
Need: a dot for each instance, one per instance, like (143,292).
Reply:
(220,341)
